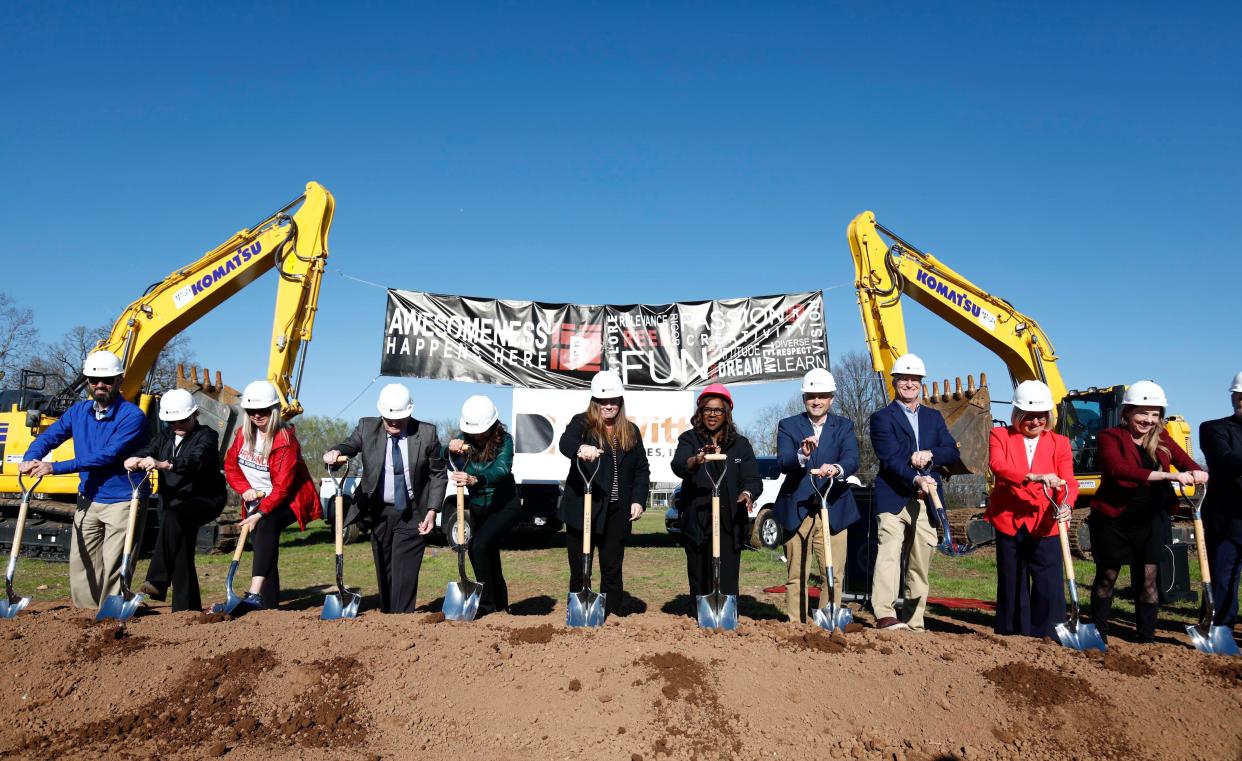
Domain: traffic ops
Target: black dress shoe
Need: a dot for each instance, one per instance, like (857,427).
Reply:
(152,591)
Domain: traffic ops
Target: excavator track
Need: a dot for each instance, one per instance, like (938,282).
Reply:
(1079,535)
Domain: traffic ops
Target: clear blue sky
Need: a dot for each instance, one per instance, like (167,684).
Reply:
(1081,160)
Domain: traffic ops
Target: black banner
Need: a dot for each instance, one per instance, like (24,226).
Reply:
(667,346)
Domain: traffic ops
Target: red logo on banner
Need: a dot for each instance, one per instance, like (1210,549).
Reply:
(577,347)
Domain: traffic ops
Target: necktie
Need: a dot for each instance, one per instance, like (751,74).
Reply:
(400,499)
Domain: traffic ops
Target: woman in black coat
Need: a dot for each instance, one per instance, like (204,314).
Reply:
(603,437)
(187,457)
(712,431)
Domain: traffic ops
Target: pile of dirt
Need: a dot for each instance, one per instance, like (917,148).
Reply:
(108,638)
(1033,686)
(654,686)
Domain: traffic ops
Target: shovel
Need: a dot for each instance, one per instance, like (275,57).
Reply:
(830,618)
(1073,633)
(232,602)
(1205,636)
(13,604)
(586,608)
(342,604)
(121,607)
(716,610)
(461,597)
(947,546)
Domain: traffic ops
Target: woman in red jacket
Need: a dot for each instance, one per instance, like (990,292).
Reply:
(1130,512)
(1026,457)
(264,465)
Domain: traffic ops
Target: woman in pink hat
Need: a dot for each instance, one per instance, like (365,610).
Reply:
(712,431)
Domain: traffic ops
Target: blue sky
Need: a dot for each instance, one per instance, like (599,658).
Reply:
(1080,160)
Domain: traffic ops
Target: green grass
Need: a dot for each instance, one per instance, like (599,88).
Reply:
(536,572)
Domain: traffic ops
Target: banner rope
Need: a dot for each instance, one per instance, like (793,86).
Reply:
(364,282)
(357,397)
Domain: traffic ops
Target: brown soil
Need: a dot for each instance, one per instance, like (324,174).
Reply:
(277,684)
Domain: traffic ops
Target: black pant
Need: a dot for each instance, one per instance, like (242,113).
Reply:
(699,566)
(1030,598)
(398,550)
(490,527)
(265,543)
(172,560)
(610,539)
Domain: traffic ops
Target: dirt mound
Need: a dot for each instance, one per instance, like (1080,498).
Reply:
(433,618)
(534,635)
(1225,668)
(108,638)
(277,684)
(1024,684)
(213,618)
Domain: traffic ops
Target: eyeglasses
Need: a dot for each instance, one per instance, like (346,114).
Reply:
(908,379)
(713,411)
(92,381)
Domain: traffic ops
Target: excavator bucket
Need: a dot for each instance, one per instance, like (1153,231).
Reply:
(968,413)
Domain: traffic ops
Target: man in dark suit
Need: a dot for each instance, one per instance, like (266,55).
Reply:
(819,442)
(909,440)
(1221,441)
(402,489)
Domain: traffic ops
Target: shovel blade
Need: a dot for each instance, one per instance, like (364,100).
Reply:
(833,618)
(461,600)
(717,611)
(1217,640)
(118,608)
(585,608)
(1083,637)
(12,606)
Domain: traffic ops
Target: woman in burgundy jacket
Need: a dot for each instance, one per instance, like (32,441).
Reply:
(264,465)
(1025,457)
(1130,512)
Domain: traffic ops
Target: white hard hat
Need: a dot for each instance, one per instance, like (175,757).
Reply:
(1033,396)
(259,395)
(102,364)
(177,404)
(909,364)
(394,402)
(1145,393)
(818,381)
(607,385)
(1237,383)
(477,415)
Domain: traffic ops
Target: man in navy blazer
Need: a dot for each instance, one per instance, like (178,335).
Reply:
(823,443)
(909,440)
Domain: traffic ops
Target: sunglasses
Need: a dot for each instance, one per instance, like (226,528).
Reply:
(259,413)
(93,381)
(819,395)
(608,402)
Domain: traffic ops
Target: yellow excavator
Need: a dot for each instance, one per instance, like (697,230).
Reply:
(886,268)
(292,240)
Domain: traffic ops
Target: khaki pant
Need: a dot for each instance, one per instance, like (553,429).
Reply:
(908,533)
(808,540)
(95,553)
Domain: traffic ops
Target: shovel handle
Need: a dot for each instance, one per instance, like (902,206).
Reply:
(129,529)
(716,526)
(460,528)
(827,539)
(1205,572)
(241,542)
(339,523)
(586,523)
(1066,558)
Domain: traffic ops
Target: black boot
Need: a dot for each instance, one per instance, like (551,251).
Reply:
(1145,620)
(1101,609)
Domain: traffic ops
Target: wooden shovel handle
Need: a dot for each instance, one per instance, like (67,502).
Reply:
(241,542)
(1066,558)
(715,525)
(586,523)
(1205,572)
(461,514)
(827,540)
(339,523)
(129,529)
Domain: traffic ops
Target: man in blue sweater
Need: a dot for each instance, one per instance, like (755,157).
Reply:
(105,430)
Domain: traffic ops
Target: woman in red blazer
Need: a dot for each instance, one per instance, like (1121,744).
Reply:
(1130,512)
(1024,458)
(264,465)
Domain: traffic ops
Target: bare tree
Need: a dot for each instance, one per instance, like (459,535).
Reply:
(18,339)
(762,430)
(859,394)
(317,434)
(62,359)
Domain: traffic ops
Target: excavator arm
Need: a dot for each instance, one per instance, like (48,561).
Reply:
(885,272)
(296,246)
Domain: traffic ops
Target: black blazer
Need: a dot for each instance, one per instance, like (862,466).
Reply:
(634,476)
(426,466)
(1221,442)
(694,503)
(195,476)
